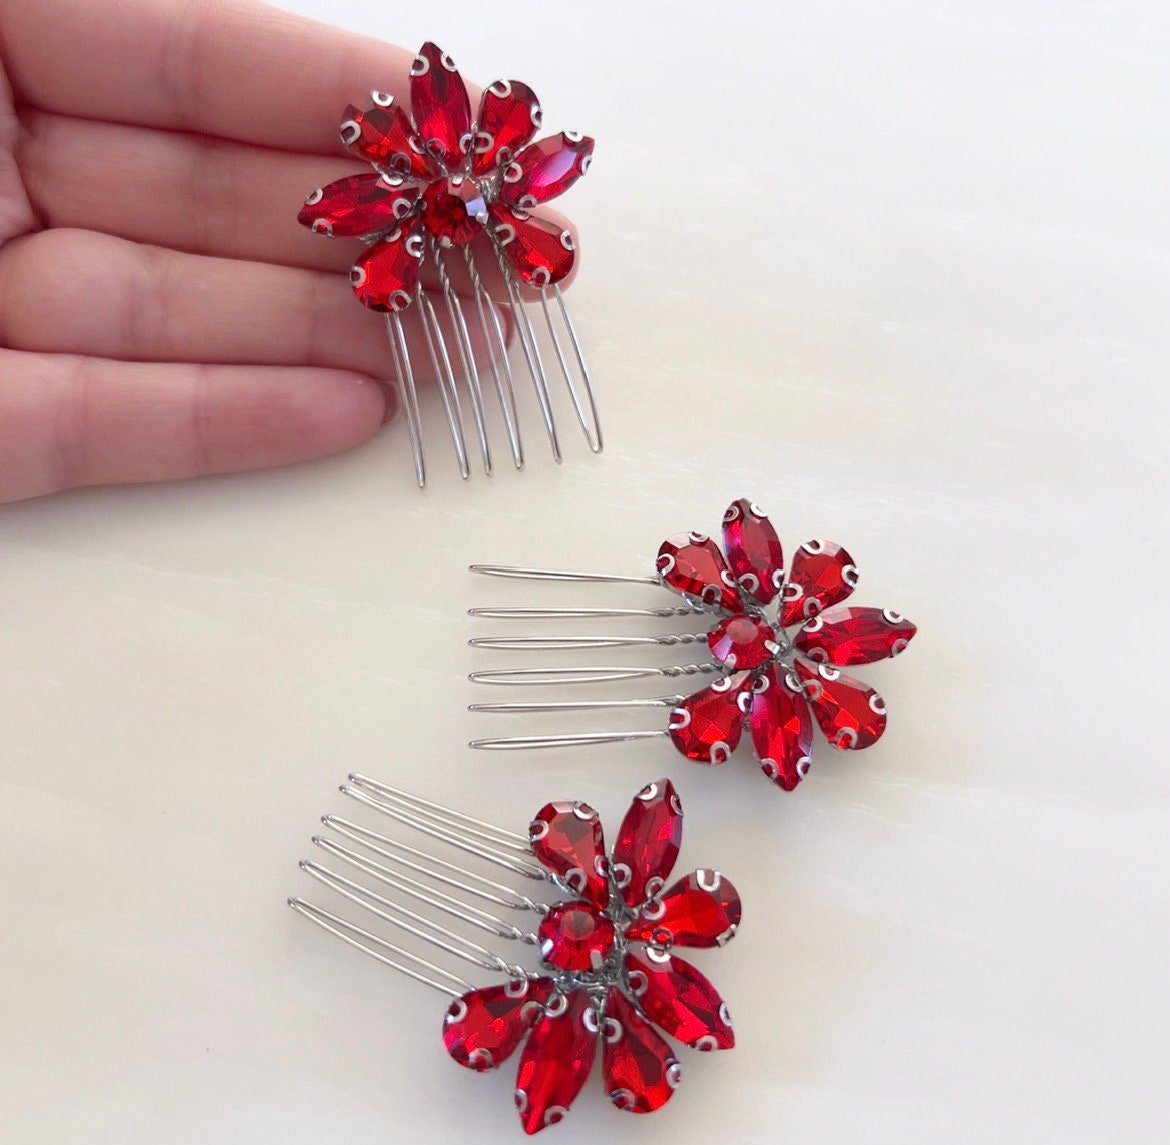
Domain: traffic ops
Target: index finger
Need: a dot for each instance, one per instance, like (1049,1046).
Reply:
(240,70)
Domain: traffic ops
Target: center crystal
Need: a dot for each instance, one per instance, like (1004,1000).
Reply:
(454,210)
(742,643)
(575,936)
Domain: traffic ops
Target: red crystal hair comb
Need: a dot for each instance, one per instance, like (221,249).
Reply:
(608,971)
(779,640)
(442,184)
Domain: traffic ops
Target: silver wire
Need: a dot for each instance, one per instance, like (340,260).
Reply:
(518,706)
(570,643)
(590,426)
(535,677)
(580,613)
(448,391)
(518,572)
(405,372)
(597,442)
(585,739)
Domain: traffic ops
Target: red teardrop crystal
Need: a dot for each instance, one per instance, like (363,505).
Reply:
(556,1060)
(692,564)
(442,110)
(753,550)
(742,643)
(638,1067)
(509,116)
(707,725)
(845,636)
(701,910)
(575,936)
(648,842)
(679,1000)
(540,252)
(850,713)
(567,839)
(358,205)
(545,169)
(781,727)
(386,274)
(822,574)
(382,135)
(482,1029)
(454,210)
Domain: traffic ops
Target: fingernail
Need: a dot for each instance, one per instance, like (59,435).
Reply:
(393,402)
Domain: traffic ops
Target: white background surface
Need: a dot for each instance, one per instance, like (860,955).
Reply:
(899,273)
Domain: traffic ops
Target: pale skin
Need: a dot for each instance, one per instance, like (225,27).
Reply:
(162,314)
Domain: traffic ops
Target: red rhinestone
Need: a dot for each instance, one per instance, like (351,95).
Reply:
(850,713)
(539,251)
(707,725)
(742,643)
(753,550)
(648,842)
(567,839)
(386,274)
(845,636)
(358,205)
(509,116)
(822,574)
(678,999)
(382,135)
(781,727)
(442,110)
(454,210)
(545,169)
(556,1061)
(701,910)
(639,1068)
(482,1029)
(575,936)
(692,564)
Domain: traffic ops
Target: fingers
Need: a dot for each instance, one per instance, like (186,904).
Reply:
(195,194)
(78,292)
(225,67)
(69,421)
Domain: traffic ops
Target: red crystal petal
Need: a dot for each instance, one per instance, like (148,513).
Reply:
(539,251)
(707,725)
(648,842)
(567,839)
(509,116)
(822,574)
(385,275)
(692,564)
(639,1068)
(701,910)
(382,135)
(679,1000)
(845,636)
(482,1029)
(851,714)
(454,210)
(753,550)
(575,936)
(358,205)
(742,642)
(781,727)
(545,169)
(556,1061)
(442,110)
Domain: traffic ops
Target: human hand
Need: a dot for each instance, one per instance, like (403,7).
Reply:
(162,314)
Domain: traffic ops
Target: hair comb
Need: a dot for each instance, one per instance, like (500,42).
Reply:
(779,640)
(603,931)
(442,184)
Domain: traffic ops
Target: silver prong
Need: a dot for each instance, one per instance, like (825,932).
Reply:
(501,369)
(533,706)
(374,946)
(536,677)
(581,613)
(466,356)
(585,739)
(586,411)
(571,643)
(517,572)
(441,362)
(405,372)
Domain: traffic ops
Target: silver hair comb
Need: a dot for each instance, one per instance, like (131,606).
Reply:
(604,945)
(442,179)
(779,641)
